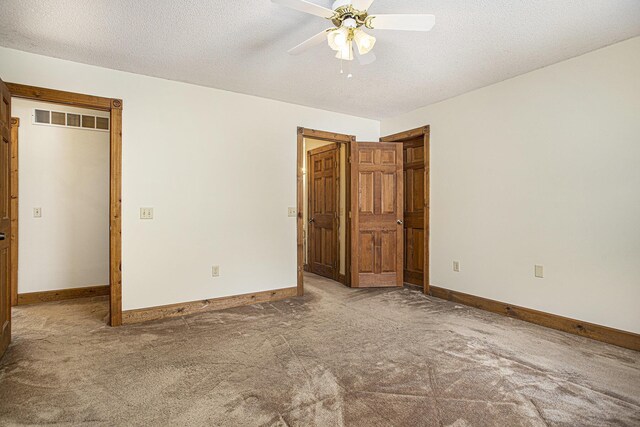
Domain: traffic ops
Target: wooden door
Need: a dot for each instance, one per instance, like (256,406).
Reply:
(376,196)
(322,164)
(416,216)
(414,210)
(5,223)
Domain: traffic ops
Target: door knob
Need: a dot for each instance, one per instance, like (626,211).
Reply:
(312,220)
(3,236)
(400,222)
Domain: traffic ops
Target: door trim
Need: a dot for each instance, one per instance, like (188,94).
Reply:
(303,133)
(425,133)
(13,212)
(114,107)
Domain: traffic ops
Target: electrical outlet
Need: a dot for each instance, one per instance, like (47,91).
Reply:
(37,212)
(456,266)
(292,212)
(146,213)
(215,271)
(538,271)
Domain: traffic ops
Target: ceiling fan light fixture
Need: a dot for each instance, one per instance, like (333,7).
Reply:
(345,52)
(349,19)
(364,41)
(338,38)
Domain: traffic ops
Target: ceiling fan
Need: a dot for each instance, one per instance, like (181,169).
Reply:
(349,18)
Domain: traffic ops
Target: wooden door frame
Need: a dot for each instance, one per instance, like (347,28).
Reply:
(336,221)
(114,107)
(13,210)
(303,133)
(425,133)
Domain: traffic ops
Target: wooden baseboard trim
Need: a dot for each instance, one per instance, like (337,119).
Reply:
(605,334)
(182,309)
(62,294)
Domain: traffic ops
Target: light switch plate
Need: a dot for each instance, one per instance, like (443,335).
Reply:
(456,266)
(215,271)
(292,212)
(538,271)
(146,213)
(37,212)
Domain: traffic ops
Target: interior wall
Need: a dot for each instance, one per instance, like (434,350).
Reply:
(542,169)
(65,172)
(219,169)
(312,144)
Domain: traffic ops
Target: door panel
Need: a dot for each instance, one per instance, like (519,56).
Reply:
(5,226)
(377,202)
(365,200)
(323,211)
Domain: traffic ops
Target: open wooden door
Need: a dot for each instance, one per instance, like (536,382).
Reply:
(5,222)
(322,164)
(377,201)
(415,144)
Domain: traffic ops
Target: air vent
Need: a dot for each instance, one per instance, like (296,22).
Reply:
(42,116)
(81,121)
(102,123)
(88,122)
(58,118)
(73,120)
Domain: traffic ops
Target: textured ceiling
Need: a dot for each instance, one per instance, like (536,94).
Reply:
(241,45)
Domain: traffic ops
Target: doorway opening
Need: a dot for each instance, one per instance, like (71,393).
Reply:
(61,194)
(324,214)
(323,231)
(88,114)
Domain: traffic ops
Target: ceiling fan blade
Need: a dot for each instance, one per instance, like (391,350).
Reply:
(402,22)
(310,42)
(361,4)
(364,59)
(306,7)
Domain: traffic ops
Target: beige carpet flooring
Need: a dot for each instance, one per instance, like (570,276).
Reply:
(335,357)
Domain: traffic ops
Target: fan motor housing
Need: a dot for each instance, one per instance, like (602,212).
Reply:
(344,10)
(340,3)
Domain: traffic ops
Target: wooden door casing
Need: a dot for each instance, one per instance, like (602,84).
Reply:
(324,199)
(15,124)
(377,206)
(5,220)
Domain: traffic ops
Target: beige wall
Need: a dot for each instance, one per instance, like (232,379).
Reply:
(542,169)
(312,144)
(204,159)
